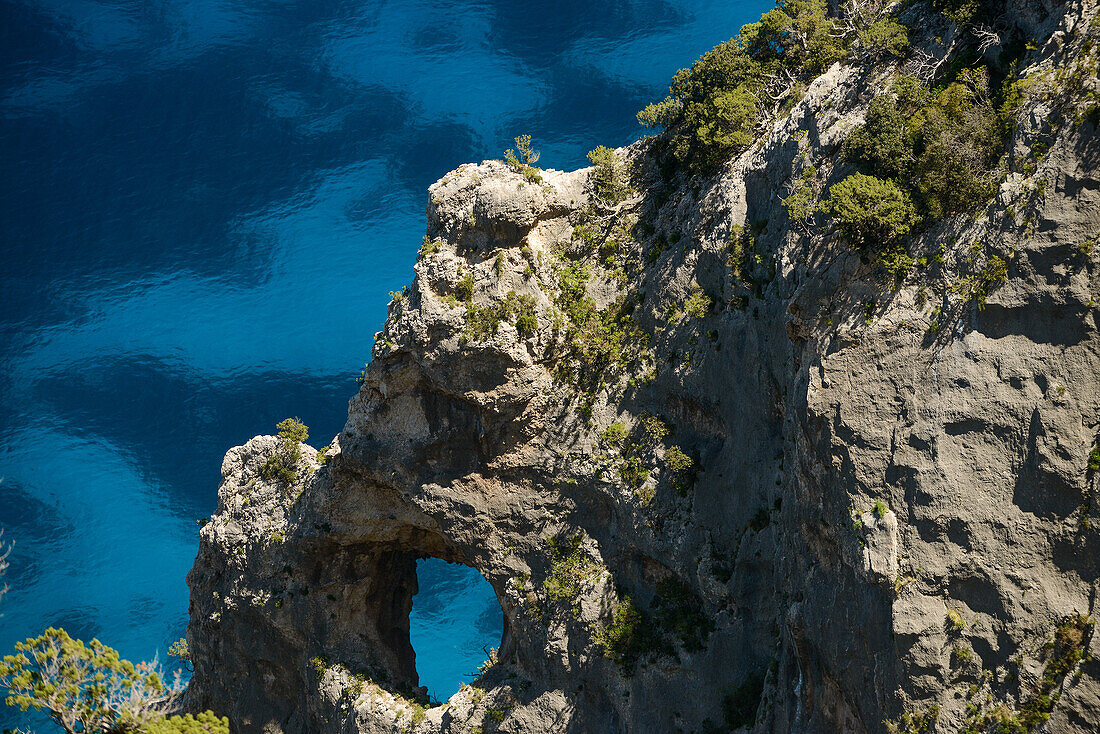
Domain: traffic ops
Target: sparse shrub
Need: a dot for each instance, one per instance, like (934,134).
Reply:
(884,142)
(464,289)
(1064,653)
(698,303)
(632,472)
(629,636)
(205,723)
(482,321)
(282,465)
(608,176)
(654,428)
(525,162)
(800,203)
(1094,459)
(912,722)
(961,655)
(598,340)
(614,434)
(955,622)
(181,651)
(320,666)
(570,570)
(677,461)
(430,246)
(880,509)
(526,324)
(978,286)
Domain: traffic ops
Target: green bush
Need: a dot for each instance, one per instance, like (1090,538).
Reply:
(884,142)
(282,465)
(525,162)
(464,289)
(712,108)
(698,303)
(886,36)
(977,287)
(608,175)
(870,212)
(677,461)
(800,203)
(655,429)
(798,33)
(942,146)
(631,471)
(962,139)
(482,321)
(614,434)
(628,637)
(679,611)
(1064,654)
(90,688)
(598,340)
(570,570)
(292,430)
(204,723)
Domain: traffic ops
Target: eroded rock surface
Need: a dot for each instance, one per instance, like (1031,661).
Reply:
(887,509)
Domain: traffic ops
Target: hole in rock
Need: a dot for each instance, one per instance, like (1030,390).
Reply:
(454,622)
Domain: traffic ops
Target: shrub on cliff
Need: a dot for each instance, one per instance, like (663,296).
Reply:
(525,162)
(961,139)
(608,175)
(797,33)
(713,109)
(204,723)
(282,466)
(90,688)
(629,636)
(943,146)
(870,212)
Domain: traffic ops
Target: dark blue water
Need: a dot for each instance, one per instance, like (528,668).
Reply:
(203,206)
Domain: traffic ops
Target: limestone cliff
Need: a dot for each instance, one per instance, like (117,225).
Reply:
(720,471)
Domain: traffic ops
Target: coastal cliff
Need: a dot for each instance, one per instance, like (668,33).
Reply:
(726,465)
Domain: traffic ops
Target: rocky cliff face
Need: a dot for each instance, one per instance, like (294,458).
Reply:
(718,469)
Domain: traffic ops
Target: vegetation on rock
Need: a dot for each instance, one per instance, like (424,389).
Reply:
(525,162)
(282,465)
(90,688)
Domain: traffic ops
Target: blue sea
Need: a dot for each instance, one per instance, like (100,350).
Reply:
(205,204)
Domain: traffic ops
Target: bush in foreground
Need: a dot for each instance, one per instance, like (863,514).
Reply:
(90,688)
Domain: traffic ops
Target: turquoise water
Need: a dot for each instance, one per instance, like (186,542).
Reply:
(204,206)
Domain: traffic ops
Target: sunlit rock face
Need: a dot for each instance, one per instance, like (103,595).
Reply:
(885,508)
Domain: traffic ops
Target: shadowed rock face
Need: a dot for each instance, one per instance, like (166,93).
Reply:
(882,516)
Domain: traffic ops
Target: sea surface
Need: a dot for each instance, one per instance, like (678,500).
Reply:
(203,207)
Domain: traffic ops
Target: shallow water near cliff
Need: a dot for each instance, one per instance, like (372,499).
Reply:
(205,205)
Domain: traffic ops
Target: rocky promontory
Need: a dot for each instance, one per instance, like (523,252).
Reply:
(731,456)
